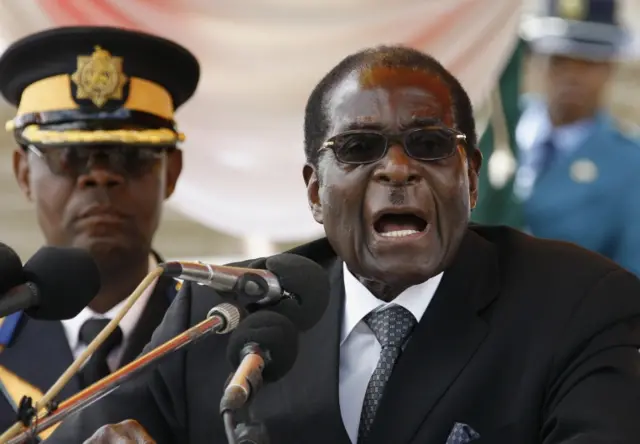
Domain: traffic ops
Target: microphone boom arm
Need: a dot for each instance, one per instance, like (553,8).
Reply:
(256,283)
(221,319)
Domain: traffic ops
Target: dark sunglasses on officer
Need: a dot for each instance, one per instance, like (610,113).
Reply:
(125,160)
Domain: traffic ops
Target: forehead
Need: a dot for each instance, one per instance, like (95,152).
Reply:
(389,97)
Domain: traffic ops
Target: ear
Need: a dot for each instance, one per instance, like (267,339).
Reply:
(174,168)
(21,171)
(475,163)
(310,176)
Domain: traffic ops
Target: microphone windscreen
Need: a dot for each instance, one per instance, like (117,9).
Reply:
(275,334)
(305,279)
(11,274)
(67,280)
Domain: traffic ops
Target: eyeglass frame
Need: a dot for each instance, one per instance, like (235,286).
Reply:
(401,137)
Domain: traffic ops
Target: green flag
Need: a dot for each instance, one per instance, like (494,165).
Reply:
(497,203)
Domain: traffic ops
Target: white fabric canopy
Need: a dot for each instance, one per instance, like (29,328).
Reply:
(260,59)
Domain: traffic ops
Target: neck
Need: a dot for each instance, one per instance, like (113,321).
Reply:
(381,290)
(118,283)
(561,117)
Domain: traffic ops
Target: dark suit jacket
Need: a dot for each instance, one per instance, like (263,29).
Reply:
(526,340)
(39,353)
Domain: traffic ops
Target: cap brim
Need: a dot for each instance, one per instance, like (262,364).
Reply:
(572,48)
(592,41)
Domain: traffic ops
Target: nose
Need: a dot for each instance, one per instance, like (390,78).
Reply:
(100,176)
(397,169)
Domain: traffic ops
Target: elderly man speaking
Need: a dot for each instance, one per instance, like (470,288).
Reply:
(436,331)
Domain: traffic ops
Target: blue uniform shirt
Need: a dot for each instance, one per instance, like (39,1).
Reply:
(588,196)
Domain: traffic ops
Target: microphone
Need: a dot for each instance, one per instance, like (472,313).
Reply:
(264,347)
(57,284)
(291,284)
(10,268)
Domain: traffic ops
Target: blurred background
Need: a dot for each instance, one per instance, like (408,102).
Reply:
(241,192)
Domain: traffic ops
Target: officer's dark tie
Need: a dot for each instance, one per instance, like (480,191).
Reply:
(549,152)
(392,328)
(96,367)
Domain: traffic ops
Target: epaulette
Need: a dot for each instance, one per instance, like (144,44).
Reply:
(174,289)
(8,327)
(628,129)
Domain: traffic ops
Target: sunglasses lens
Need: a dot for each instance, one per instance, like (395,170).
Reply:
(360,148)
(430,144)
(129,161)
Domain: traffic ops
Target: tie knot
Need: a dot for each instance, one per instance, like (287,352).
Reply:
(92,327)
(391,326)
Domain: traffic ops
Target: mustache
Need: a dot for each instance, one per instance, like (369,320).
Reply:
(397,195)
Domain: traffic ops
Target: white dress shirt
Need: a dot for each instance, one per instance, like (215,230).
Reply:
(359,348)
(127,324)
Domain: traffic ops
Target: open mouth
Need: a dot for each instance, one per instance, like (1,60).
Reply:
(399,225)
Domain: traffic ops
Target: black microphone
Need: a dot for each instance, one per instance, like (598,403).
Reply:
(10,268)
(264,347)
(291,284)
(58,284)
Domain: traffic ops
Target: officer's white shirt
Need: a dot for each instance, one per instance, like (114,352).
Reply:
(127,324)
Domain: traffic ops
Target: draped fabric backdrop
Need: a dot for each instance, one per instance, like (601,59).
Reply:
(260,59)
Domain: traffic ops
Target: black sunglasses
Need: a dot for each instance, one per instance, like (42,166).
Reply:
(76,160)
(367,146)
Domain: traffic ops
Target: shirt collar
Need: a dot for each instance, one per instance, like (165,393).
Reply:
(127,324)
(535,127)
(359,301)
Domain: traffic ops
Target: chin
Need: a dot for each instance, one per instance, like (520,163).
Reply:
(106,250)
(402,271)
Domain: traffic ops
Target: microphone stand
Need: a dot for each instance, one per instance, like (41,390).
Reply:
(248,430)
(221,319)
(251,431)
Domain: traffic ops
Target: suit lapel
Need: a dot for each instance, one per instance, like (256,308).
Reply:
(443,343)
(150,318)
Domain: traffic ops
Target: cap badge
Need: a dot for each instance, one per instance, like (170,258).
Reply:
(99,77)
(572,9)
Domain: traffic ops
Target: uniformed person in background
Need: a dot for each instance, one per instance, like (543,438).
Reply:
(97,155)
(578,172)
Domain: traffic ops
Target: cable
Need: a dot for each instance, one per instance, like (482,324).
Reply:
(148,282)
(229,427)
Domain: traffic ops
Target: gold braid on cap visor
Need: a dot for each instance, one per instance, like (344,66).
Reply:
(161,136)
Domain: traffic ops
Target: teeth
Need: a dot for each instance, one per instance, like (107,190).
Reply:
(399,233)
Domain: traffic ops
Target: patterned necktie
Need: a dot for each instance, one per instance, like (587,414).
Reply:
(96,367)
(392,327)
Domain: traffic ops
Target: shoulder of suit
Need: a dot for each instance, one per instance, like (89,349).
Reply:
(524,254)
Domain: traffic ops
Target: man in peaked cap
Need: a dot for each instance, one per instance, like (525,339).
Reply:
(97,155)
(577,167)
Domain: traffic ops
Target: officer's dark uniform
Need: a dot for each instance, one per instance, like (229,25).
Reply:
(586,195)
(86,86)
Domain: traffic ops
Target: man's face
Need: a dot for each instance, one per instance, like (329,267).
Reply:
(107,201)
(575,86)
(397,220)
